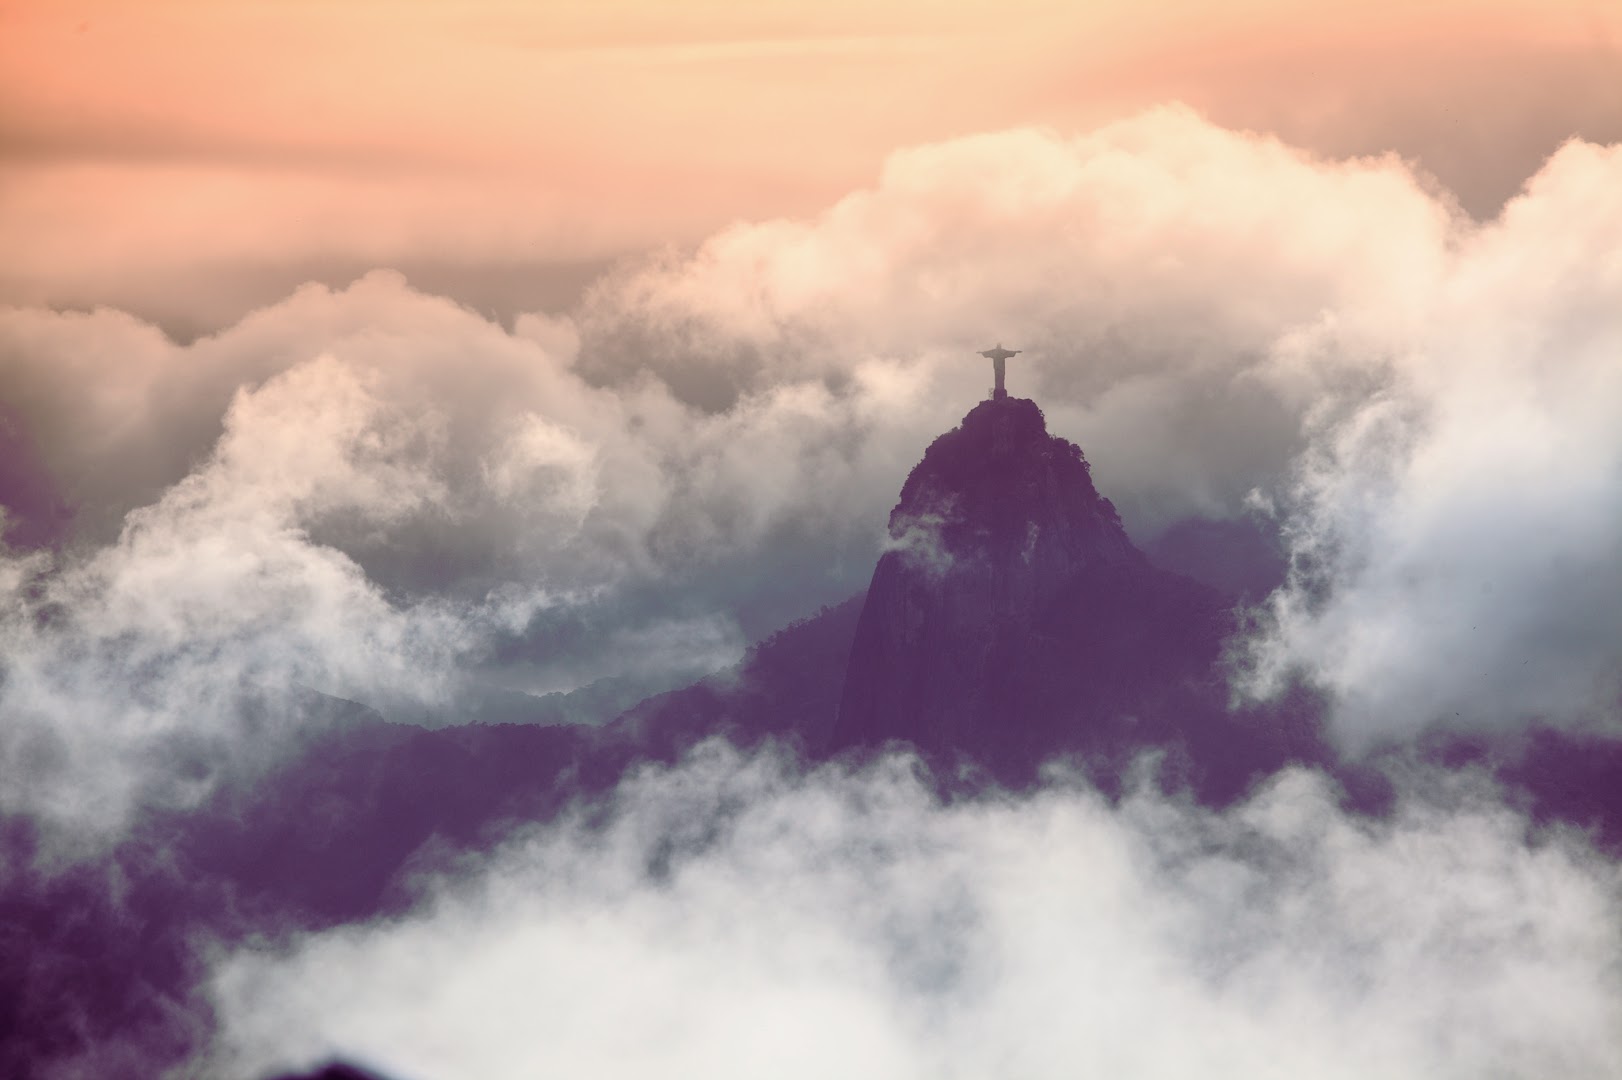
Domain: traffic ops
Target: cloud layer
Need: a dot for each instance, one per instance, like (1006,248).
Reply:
(1428,407)
(168,159)
(375,492)
(730,917)
(1456,534)
(132,670)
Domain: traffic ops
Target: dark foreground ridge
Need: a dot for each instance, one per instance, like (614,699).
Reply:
(336,1070)
(1010,622)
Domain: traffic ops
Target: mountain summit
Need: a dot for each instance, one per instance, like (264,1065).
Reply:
(1010,620)
(1011,617)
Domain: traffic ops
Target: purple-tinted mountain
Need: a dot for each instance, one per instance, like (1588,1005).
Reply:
(1012,621)
(1243,558)
(786,689)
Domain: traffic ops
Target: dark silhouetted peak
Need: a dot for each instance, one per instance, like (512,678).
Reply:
(1012,619)
(1000,492)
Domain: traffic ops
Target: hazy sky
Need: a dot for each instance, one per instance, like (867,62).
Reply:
(189,159)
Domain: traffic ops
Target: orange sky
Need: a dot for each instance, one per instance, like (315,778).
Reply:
(220,152)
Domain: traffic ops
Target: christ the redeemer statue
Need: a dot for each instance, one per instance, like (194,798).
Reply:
(999,364)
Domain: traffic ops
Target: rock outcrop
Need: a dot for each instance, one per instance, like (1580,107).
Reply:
(1013,620)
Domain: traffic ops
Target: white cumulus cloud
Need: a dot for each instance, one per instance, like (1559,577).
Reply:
(733,916)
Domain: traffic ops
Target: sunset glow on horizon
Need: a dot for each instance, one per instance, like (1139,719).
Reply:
(140,143)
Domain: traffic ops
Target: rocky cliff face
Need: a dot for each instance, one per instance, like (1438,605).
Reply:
(1012,618)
